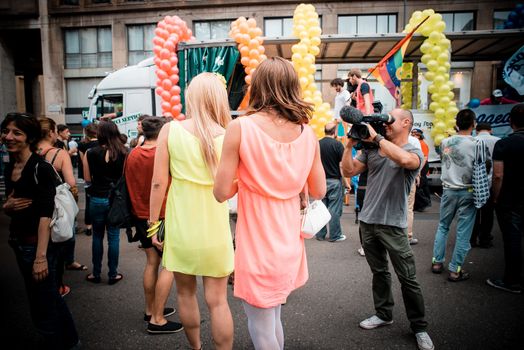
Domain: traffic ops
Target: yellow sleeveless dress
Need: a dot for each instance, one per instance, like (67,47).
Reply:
(198,239)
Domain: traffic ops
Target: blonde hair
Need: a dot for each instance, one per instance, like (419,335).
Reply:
(275,86)
(46,126)
(207,103)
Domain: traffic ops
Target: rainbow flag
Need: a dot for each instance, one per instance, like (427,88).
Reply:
(387,71)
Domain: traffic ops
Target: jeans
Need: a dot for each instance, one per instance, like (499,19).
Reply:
(460,203)
(378,241)
(333,201)
(99,208)
(49,312)
(511,222)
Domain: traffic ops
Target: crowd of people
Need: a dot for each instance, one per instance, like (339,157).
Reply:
(180,175)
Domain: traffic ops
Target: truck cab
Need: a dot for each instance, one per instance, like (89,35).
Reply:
(126,94)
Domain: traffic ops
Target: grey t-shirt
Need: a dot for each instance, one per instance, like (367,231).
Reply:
(388,187)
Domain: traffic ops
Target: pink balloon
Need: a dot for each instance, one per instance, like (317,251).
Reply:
(161,74)
(173,70)
(176,88)
(174,60)
(176,109)
(166,106)
(176,29)
(167,114)
(181,117)
(167,84)
(165,65)
(174,79)
(157,61)
(161,24)
(165,54)
(157,49)
(159,90)
(170,45)
(166,96)
(175,99)
(158,41)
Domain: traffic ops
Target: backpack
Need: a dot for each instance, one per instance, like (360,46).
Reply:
(63,220)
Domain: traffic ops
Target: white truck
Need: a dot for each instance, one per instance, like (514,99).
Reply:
(126,94)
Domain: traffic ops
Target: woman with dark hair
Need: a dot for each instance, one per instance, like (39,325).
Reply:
(270,256)
(30,186)
(61,161)
(103,166)
(88,142)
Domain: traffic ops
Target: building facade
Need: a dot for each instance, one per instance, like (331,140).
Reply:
(53,52)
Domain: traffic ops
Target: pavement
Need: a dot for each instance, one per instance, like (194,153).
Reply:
(324,314)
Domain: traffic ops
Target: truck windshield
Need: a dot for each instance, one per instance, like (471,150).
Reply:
(109,106)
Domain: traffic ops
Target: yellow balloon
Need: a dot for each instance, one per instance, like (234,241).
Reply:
(444,100)
(315,31)
(429,76)
(314,50)
(438,139)
(432,65)
(440,112)
(315,41)
(425,58)
(433,106)
(440,26)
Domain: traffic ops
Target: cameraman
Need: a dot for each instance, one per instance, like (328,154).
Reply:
(392,168)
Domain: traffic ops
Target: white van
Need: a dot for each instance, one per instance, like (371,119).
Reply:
(126,94)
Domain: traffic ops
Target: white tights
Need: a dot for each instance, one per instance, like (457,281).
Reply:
(265,327)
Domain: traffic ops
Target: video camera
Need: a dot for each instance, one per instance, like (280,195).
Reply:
(359,130)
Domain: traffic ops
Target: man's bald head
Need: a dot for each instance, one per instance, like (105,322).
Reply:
(330,128)
(401,114)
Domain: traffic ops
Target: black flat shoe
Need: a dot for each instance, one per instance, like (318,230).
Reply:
(168,327)
(116,279)
(92,278)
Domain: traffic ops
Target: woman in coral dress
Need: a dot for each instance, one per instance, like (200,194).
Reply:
(198,239)
(270,156)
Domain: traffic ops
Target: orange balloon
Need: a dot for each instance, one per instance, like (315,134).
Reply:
(253,44)
(244,51)
(244,61)
(164,54)
(243,27)
(248,79)
(161,74)
(165,65)
(174,78)
(167,84)
(166,96)
(254,54)
(252,23)
(253,64)
(261,49)
(245,102)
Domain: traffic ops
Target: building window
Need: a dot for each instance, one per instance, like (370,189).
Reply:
(101,1)
(459,21)
(205,30)
(88,48)
(278,26)
(70,2)
(367,24)
(140,42)
(499,17)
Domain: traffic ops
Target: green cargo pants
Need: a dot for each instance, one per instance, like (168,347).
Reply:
(377,240)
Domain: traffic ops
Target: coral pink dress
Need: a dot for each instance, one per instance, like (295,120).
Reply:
(270,257)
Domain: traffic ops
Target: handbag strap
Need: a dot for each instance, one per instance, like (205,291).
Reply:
(480,152)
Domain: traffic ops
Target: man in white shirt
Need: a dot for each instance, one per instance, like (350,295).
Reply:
(481,235)
(411,198)
(342,98)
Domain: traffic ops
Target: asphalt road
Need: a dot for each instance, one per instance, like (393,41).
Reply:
(324,314)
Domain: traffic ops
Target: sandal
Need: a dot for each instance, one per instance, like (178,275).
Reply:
(116,279)
(92,278)
(462,276)
(79,267)
(437,267)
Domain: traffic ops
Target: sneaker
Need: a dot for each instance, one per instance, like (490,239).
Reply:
(413,241)
(374,322)
(88,231)
(168,327)
(424,341)
(339,239)
(361,251)
(168,311)
(318,238)
(499,284)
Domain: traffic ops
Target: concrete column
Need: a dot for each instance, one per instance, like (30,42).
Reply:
(119,44)
(53,67)
(7,81)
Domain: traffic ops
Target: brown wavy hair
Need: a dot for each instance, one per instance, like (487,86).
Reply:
(46,125)
(275,86)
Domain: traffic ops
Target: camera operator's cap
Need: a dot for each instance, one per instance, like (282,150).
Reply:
(497,93)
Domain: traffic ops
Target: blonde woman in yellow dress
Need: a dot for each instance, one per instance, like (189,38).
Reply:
(197,234)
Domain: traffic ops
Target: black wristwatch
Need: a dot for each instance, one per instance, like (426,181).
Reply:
(378,138)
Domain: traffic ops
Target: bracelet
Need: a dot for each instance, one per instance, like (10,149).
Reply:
(152,223)
(378,138)
(40,261)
